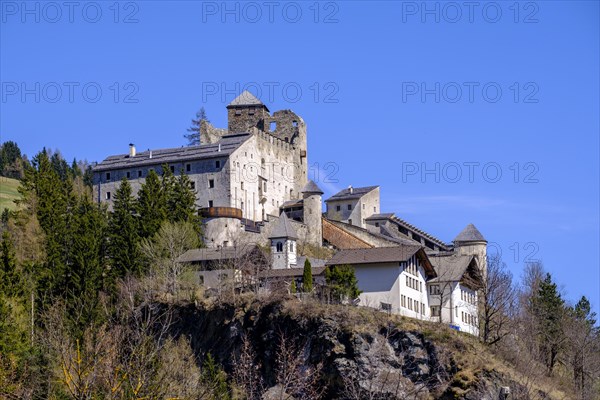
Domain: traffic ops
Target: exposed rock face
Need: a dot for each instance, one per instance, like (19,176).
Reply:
(357,362)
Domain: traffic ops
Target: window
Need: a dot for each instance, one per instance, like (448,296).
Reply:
(238,112)
(210,203)
(349,206)
(279,247)
(188,167)
(172,167)
(218,164)
(242,206)
(201,279)
(386,306)
(338,208)
(108,176)
(193,185)
(456,311)
(434,289)
(272,126)
(377,224)
(211,183)
(350,221)
(374,209)
(403,300)
(423,308)
(265,187)
(128,174)
(364,206)
(139,173)
(107,195)
(291,246)
(435,311)
(242,185)
(251,111)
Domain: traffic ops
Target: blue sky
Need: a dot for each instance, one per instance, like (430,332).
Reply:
(486,115)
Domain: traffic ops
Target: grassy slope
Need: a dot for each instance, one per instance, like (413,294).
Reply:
(8,193)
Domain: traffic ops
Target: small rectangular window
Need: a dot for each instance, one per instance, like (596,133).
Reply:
(349,206)
(364,205)
(386,306)
(210,203)
(172,169)
(218,164)
(201,279)
(188,167)
(128,174)
(108,176)
(242,185)
(107,195)
(139,173)
(338,208)
(211,183)
(193,185)
(374,209)
(238,112)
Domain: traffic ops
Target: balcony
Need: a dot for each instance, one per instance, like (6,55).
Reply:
(220,212)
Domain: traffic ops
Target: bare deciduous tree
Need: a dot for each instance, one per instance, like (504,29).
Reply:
(498,300)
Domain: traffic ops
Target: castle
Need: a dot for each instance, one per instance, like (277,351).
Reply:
(252,188)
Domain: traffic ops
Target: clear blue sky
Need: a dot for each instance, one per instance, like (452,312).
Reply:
(388,90)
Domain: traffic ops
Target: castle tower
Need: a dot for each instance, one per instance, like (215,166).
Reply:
(313,210)
(245,112)
(471,242)
(283,244)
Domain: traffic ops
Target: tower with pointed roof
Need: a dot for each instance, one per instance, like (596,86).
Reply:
(471,242)
(312,213)
(246,112)
(283,244)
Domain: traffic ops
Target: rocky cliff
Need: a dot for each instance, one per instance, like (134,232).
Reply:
(358,353)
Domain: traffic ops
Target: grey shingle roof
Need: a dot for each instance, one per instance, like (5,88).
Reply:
(381,216)
(374,255)
(283,229)
(227,145)
(211,254)
(288,272)
(245,99)
(311,187)
(354,193)
(469,234)
(399,221)
(450,268)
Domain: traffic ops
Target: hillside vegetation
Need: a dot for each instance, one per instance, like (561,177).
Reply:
(8,193)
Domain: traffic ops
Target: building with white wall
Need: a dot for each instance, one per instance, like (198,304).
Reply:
(392,279)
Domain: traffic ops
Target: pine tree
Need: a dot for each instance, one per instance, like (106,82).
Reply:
(549,311)
(87,271)
(215,379)
(9,277)
(182,200)
(293,288)
(193,137)
(151,206)
(342,282)
(307,278)
(123,233)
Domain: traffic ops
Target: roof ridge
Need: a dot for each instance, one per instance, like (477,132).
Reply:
(422,232)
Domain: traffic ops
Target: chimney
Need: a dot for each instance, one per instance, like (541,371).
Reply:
(219,147)
(350,189)
(150,153)
(131,150)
